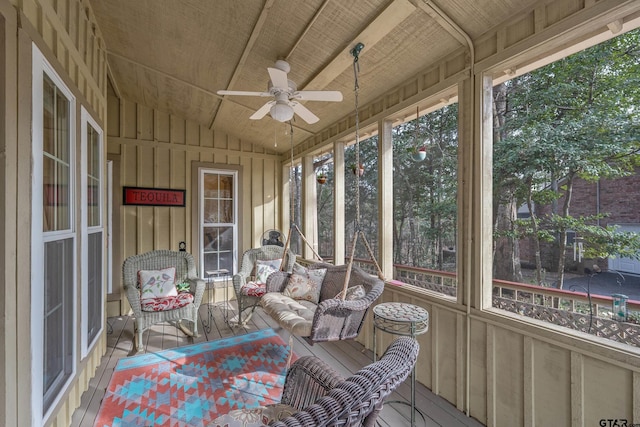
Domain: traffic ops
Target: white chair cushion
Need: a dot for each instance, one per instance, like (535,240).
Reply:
(296,316)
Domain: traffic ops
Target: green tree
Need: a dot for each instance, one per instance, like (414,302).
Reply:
(574,118)
(425,197)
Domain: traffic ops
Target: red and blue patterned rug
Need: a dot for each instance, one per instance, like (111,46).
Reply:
(192,385)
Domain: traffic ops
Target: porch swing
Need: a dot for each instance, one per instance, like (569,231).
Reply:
(325,302)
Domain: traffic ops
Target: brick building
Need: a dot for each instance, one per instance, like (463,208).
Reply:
(618,199)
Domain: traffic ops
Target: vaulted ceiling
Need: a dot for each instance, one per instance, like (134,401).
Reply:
(174,55)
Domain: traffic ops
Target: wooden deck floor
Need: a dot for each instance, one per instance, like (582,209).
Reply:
(345,357)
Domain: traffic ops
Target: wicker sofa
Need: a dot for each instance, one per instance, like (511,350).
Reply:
(185,273)
(331,318)
(315,395)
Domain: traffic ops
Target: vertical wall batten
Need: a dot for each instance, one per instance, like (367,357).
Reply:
(577,390)
(529,383)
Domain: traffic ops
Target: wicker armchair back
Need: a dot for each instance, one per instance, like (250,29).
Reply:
(322,398)
(185,273)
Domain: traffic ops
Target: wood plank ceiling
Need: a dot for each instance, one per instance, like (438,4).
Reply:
(174,55)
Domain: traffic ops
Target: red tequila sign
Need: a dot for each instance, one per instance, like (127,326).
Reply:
(152,196)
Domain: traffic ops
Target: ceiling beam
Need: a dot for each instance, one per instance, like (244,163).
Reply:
(307,28)
(442,19)
(255,33)
(383,24)
(162,73)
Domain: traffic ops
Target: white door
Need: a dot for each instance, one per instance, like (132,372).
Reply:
(626,265)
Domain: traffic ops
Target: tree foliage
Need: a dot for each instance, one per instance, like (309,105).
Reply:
(576,118)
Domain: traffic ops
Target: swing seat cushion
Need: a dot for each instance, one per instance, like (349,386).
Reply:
(331,318)
(296,316)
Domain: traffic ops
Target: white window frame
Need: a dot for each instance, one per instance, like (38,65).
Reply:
(85,229)
(40,67)
(201,223)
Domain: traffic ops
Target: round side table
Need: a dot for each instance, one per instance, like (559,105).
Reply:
(398,318)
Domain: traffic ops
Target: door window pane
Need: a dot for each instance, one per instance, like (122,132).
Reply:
(218,220)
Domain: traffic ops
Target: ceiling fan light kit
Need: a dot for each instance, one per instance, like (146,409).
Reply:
(281,111)
(286,97)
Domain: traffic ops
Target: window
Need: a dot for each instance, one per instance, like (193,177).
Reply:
(295,188)
(565,177)
(53,237)
(364,201)
(218,220)
(92,233)
(325,206)
(425,182)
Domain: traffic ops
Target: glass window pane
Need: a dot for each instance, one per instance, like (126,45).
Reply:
(48,133)
(565,191)
(62,128)
(58,317)
(425,200)
(218,249)
(368,180)
(94,290)
(325,205)
(93,177)
(210,185)
(226,187)
(56,159)
(226,211)
(210,214)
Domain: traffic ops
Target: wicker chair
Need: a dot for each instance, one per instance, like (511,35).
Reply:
(332,319)
(323,398)
(185,273)
(247,270)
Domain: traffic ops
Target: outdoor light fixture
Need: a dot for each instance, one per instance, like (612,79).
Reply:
(281,111)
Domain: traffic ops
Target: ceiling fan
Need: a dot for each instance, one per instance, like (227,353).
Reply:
(286,96)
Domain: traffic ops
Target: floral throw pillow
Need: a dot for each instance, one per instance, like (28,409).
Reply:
(254,417)
(273,263)
(157,283)
(263,271)
(305,285)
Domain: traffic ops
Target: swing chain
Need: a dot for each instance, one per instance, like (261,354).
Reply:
(356,68)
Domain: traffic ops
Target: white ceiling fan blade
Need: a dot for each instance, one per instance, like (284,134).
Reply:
(278,78)
(262,111)
(304,113)
(242,93)
(318,95)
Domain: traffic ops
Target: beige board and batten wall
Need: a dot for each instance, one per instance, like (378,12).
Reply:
(158,150)
(66,34)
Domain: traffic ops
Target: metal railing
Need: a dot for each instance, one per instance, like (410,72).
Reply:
(579,311)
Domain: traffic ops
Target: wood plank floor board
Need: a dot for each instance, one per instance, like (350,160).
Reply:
(344,357)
